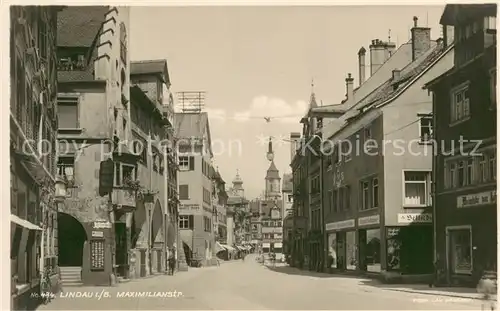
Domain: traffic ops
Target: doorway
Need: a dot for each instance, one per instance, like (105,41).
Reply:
(71,236)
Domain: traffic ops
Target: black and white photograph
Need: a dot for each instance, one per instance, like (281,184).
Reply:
(251,156)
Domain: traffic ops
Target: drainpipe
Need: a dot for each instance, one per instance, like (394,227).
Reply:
(323,231)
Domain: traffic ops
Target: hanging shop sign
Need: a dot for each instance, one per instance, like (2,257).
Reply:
(102,225)
(477,199)
(369,220)
(340,225)
(406,218)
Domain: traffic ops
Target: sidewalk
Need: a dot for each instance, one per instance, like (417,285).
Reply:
(453,292)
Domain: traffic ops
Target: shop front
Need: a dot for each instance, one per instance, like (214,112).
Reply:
(341,245)
(466,243)
(369,241)
(409,248)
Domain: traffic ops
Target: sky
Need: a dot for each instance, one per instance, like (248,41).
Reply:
(256,62)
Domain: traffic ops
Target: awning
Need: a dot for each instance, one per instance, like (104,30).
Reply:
(229,248)
(24,223)
(240,247)
(219,247)
(266,245)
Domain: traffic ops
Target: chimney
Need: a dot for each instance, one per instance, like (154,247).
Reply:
(294,143)
(396,73)
(362,66)
(420,39)
(349,86)
(377,55)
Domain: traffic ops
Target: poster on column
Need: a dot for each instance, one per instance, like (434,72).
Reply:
(97,254)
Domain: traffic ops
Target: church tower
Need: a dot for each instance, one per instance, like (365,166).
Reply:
(238,185)
(273,180)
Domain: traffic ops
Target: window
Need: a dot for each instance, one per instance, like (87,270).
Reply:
(346,150)
(184,222)
(186,163)
(375,192)
(347,193)
(493,166)
(125,130)
(490,22)
(330,200)
(67,112)
(162,167)
(66,168)
(367,133)
(183,192)
(341,198)
(183,163)
(365,195)
(425,129)
(460,109)
(416,188)
(483,170)
(335,200)
(470,172)
(461,173)
(124,173)
(493,88)
(453,176)
(461,250)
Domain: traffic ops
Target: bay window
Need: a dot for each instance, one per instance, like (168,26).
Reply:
(416,188)
(124,173)
(483,169)
(493,166)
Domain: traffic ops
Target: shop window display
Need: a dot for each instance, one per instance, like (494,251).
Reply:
(351,250)
(393,249)
(372,252)
(332,250)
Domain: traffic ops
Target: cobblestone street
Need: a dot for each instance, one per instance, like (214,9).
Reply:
(249,285)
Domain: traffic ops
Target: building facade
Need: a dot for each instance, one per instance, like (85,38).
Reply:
(196,212)
(464,103)
(152,226)
(33,119)
(378,216)
(94,126)
(220,204)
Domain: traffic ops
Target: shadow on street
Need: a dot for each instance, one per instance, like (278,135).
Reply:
(296,271)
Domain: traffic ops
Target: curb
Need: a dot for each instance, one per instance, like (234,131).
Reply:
(476,297)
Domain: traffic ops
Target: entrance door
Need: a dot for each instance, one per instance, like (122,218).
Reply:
(362,249)
(121,248)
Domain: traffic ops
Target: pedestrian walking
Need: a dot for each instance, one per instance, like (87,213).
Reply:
(171,263)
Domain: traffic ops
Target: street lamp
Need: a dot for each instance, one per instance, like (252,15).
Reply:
(61,190)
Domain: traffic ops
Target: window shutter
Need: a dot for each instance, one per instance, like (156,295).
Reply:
(191,222)
(191,163)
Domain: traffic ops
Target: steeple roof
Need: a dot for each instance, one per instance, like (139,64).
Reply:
(272,172)
(237,181)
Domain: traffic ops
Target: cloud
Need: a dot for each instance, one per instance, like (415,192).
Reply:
(275,108)
(216,114)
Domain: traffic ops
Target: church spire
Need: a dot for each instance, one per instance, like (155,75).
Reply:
(312,101)
(270,153)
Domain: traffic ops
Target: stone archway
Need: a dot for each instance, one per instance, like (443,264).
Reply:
(71,236)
